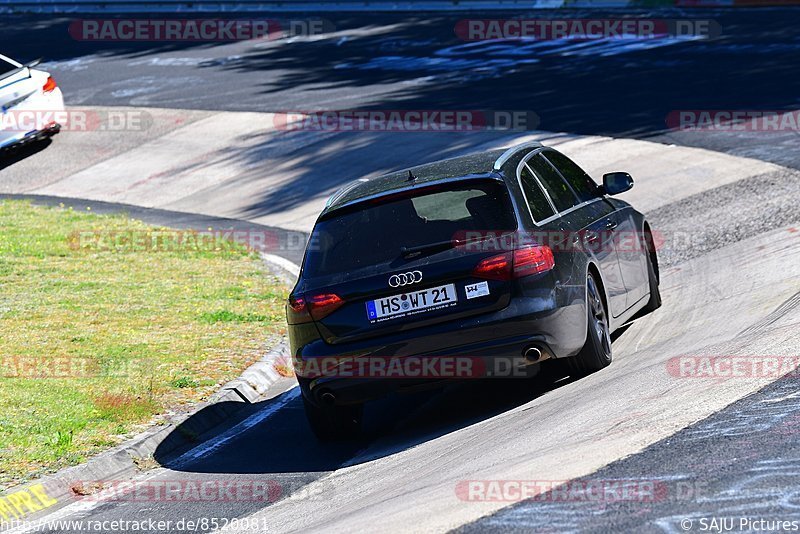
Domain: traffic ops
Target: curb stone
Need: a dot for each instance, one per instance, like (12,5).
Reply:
(124,461)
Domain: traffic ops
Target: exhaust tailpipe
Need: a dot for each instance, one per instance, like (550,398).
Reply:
(328,398)
(532,354)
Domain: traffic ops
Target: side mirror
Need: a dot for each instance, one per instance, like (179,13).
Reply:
(615,183)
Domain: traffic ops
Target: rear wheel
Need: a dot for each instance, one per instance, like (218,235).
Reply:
(333,423)
(596,352)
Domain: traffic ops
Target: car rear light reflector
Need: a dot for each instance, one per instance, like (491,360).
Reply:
(297,311)
(324,304)
(524,261)
(50,85)
(533,260)
(302,309)
(495,267)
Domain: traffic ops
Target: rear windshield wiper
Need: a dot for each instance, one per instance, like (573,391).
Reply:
(413,252)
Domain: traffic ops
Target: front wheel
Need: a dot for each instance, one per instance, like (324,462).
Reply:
(333,423)
(596,352)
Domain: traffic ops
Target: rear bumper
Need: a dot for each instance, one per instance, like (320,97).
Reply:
(503,360)
(30,137)
(486,346)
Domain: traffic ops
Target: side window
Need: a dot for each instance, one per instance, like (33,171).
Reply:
(537,202)
(581,183)
(560,193)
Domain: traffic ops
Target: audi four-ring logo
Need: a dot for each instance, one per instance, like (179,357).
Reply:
(404,279)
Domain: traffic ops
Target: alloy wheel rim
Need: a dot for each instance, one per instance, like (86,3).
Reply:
(599,318)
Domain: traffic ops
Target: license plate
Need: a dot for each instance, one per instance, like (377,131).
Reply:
(412,303)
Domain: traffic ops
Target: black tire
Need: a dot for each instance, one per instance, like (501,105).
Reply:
(333,423)
(596,352)
(652,272)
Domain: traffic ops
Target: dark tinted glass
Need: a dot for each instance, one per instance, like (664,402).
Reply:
(554,184)
(375,234)
(5,67)
(581,183)
(537,202)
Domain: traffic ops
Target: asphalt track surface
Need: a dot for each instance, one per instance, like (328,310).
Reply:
(713,447)
(739,299)
(619,88)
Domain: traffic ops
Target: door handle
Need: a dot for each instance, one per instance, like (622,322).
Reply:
(591,237)
(610,225)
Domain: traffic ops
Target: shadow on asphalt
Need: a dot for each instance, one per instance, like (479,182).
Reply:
(47,36)
(284,444)
(14,155)
(620,88)
(340,158)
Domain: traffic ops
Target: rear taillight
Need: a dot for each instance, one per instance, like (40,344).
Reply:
(296,311)
(524,261)
(533,260)
(324,304)
(50,85)
(495,267)
(302,309)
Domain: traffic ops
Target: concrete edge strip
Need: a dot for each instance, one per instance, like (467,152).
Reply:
(127,459)
(286,270)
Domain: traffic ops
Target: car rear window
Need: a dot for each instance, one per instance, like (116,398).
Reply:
(6,67)
(375,234)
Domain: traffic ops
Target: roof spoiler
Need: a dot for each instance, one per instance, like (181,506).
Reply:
(505,156)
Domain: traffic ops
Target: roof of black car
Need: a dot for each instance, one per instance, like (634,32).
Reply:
(480,164)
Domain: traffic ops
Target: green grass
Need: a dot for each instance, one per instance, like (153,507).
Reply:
(96,341)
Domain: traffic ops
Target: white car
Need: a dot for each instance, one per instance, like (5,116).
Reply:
(30,101)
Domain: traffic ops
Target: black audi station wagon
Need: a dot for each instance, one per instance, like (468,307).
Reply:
(460,267)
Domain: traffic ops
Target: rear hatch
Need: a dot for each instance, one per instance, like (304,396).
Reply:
(408,260)
(16,85)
